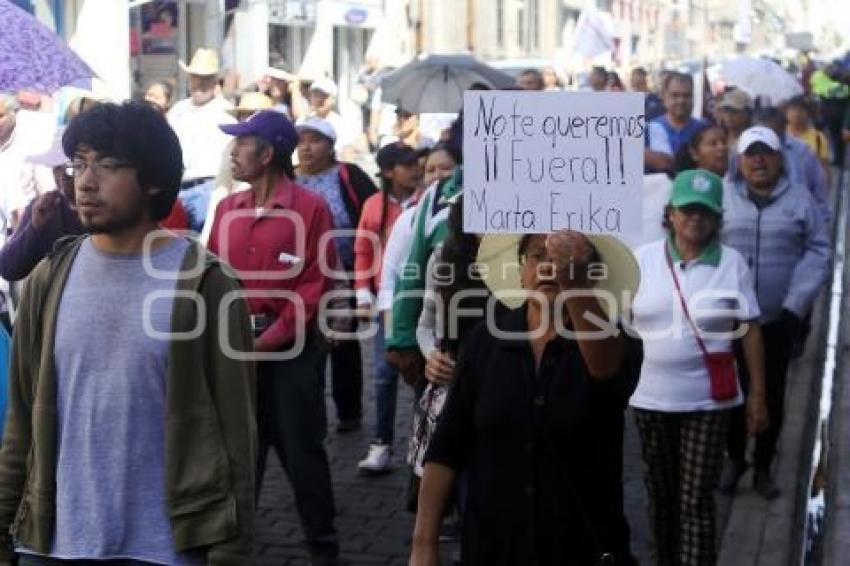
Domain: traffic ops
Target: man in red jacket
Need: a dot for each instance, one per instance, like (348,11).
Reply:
(272,235)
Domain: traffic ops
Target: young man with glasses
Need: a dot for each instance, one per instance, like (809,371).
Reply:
(130,434)
(52,215)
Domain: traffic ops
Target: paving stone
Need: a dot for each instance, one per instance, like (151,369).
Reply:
(373,525)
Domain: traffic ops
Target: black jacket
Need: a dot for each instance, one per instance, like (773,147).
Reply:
(356,187)
(540,450)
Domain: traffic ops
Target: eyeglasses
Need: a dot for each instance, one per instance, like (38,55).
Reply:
(536,256)
(99,167)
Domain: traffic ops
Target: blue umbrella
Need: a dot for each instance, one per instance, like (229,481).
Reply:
(32,57)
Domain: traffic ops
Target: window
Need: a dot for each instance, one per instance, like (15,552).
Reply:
(520,26)
(534,23)
(500,23)
(567,16)
(291,42)
(349,54)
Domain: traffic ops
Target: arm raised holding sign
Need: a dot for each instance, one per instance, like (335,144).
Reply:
(572,255)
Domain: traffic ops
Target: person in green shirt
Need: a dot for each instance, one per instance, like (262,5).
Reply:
(429,230)
(831,86)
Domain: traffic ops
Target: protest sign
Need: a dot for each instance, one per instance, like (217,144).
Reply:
(538,162)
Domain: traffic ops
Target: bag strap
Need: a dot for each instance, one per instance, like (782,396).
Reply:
(345,177)
(682,300)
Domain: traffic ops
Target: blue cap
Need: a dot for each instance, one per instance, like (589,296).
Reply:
(269,125)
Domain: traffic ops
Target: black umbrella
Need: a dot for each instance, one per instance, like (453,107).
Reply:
(437,83)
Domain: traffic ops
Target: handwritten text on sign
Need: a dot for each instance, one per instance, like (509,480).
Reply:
(543,161)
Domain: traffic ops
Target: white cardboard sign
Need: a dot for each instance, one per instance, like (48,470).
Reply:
(536,162)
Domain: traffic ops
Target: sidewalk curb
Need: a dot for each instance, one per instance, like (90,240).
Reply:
(768,533)
(836,542)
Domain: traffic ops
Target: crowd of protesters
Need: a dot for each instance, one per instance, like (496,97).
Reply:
(518,442)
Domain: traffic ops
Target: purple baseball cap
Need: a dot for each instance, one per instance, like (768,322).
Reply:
(269,125)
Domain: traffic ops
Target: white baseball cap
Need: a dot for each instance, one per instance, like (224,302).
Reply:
(318,125)
(759,134)
(325,85)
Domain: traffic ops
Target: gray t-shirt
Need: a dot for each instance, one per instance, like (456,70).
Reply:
(111,380)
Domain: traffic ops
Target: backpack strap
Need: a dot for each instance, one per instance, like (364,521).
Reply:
(345,177)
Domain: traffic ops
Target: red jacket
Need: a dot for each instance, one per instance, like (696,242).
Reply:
(369,243)
(177,219)
(279,254)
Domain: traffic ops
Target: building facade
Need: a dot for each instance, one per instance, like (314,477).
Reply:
(335,38)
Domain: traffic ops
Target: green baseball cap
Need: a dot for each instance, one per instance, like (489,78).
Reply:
(698,186)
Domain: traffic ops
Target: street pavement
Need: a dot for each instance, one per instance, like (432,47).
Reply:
(375,528)
(373,525)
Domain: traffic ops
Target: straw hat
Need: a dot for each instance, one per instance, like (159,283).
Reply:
(499,261)
(251,102)
(204,63)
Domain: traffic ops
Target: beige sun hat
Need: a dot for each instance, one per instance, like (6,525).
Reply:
(204,63)
(498,259)
(251,102)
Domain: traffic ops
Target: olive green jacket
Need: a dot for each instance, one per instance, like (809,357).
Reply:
(210,427)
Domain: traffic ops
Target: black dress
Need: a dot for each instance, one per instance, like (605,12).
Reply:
(541,450)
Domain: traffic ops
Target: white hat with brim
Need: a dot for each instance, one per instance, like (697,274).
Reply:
(54,156)
(325,85)
(279,74)
(204,63)
(498,258)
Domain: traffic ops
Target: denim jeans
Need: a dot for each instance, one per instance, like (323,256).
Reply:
(386,388)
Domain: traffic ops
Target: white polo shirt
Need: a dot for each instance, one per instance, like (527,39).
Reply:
(719,291)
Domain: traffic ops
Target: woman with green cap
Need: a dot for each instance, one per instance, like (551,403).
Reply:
(696,296)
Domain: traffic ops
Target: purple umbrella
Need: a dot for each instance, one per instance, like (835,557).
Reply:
(34,58)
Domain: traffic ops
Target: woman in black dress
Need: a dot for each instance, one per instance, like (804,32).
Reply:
(535,414)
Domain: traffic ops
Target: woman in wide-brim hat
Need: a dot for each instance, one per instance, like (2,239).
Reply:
(534,418)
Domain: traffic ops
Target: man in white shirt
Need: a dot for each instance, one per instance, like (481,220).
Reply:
(195,120)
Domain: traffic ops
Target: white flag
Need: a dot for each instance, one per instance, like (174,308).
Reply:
(593,34)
